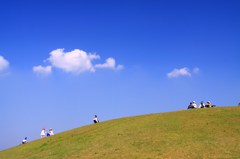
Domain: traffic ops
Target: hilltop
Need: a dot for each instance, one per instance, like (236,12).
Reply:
(198,133)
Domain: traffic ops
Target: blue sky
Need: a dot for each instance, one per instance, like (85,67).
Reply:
(63,61)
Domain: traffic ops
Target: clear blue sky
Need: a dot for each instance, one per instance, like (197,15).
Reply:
(63,61)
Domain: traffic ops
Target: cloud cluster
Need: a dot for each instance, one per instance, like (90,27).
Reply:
(4,64)
(110,63)
(76,62)
(42,70)
(182,72)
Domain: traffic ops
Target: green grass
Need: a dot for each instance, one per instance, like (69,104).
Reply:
(189,134)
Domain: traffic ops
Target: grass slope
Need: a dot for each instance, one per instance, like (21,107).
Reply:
(200,133)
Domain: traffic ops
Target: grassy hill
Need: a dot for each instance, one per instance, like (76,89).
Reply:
(199,133)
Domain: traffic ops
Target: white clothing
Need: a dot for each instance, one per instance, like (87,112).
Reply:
(95,119)
(202,105)
(51,132)
(194,105)
(43,133)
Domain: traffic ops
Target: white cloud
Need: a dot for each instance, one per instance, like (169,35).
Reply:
(110,63)
(76,61)
(182,72)
(42,70)
(179,72)
(4,64)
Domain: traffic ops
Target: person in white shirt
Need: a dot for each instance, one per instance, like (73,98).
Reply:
(24,141)
(202,105)
(43,133)
(51,132)
(208,105)
(95,119)
(194,104)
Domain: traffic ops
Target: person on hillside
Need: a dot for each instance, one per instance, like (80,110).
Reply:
(24,141)
(43,133)
(208,105)
(51,132)
(95,119)
(202,105)
(192,105)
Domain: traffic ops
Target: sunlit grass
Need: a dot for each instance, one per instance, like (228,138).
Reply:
(198,133)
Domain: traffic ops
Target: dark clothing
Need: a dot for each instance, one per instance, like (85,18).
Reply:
(207,105)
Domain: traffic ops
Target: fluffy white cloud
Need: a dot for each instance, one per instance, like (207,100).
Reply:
(4,64)
(182,72)
(109,63)
(42,70)
(179,72)
(76,61)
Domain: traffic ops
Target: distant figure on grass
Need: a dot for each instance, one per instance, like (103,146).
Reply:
(24,141)
(192,105)
(208,105)
(43,133)
(95,119)
(51,132)
(202,105)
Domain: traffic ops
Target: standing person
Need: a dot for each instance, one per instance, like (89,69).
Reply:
(202,105)
(43,133)
(24,141)
(51,132)
(95,119)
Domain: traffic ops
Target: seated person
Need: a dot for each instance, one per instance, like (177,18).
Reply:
(202,105)
(208,105)
(51,132)
(95,119)
(24,141)
(192,105)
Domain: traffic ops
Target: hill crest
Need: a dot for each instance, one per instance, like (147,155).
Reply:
(198,133)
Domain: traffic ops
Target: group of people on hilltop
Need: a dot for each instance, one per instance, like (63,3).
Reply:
(193,105)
